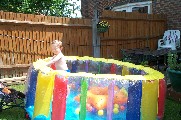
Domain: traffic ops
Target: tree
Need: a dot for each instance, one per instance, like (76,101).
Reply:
(46,7)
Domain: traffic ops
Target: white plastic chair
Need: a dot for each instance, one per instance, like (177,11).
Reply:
(171,39)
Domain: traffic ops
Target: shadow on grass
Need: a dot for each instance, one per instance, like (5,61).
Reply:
(13,114)
(172,109)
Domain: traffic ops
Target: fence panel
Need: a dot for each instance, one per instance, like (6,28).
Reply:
(131,30)
(25,37)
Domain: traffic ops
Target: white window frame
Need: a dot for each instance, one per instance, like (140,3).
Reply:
(128,7)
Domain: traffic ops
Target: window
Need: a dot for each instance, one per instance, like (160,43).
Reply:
(141,7)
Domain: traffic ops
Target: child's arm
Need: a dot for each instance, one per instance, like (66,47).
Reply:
(55,59)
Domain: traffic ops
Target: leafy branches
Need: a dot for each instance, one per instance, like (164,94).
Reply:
(45,7)
(173,61)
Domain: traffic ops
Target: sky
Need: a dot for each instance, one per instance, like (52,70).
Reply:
(77,13)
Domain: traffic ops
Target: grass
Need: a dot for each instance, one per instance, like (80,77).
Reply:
(15,113)
(172,109)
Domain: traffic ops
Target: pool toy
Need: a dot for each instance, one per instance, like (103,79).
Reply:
(98,97)
(94,89)
(100,112)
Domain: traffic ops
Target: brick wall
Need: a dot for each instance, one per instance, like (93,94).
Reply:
(87,6)
(172,9)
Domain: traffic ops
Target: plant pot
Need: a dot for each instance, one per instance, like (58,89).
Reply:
(102,29)
(175,79)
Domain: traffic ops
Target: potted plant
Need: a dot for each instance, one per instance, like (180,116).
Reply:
(102,26)
(174,71)
(144,63)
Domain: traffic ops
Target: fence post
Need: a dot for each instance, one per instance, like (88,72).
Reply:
(95,36)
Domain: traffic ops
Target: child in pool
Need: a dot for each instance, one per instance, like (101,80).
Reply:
(58,61)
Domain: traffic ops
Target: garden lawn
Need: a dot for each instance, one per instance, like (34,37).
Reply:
(15,113)
(172,109)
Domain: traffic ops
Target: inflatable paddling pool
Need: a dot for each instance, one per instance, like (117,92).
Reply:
(94,89)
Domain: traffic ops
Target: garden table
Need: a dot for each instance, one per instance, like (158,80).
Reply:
(145,54)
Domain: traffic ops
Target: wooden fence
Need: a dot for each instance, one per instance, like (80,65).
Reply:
(26,37)
(13,74)
(130,30)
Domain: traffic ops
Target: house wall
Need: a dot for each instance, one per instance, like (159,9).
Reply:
(172,9)
(87,6)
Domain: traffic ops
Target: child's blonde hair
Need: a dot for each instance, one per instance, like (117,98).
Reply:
(57,43)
